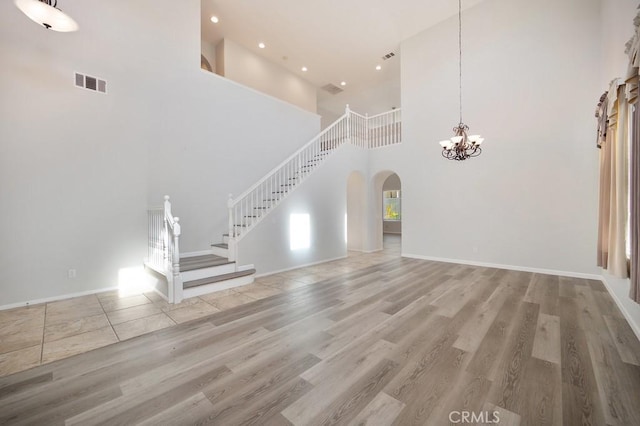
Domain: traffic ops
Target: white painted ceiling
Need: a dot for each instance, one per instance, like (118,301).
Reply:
(337,40)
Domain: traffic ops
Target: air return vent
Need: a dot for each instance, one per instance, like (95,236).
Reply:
(94,84)
(388,56)
(332,88)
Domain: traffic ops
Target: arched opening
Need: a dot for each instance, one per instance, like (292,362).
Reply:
(355,221)
(387,218)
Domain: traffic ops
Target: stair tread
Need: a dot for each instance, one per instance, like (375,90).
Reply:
(200,262)
(217,278)
(221,245)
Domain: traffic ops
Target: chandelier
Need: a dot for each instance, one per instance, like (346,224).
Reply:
(461,146)
(47,14)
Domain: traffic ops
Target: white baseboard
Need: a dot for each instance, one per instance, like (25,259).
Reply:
(300,266)
(365,251)
(627,315)
(510,267)
(56,298)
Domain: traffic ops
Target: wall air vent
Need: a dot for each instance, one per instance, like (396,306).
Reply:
(332,88)
(90,83)
(388,56)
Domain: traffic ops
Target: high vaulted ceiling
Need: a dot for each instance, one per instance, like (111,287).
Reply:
(337,40)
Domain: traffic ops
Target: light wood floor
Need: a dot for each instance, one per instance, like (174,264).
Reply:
(401,342)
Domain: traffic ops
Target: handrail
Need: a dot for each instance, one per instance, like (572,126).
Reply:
(287,160)
(384,113)
(171,221)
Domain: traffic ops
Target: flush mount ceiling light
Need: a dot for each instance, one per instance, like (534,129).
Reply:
(344,83)
(215,19)
(47,14)
(304,69)
(461,146)
(261,45)
(378,67)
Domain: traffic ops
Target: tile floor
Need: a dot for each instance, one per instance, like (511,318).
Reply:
(43,333)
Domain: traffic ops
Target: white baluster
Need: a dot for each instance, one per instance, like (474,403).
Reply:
(347,111)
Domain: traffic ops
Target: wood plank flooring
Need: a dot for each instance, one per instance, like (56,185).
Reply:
(401,342)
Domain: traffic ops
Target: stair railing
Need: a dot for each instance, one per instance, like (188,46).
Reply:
(164,247)
(250,207)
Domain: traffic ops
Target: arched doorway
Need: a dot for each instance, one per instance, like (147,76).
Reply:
(392,213)
(387,216)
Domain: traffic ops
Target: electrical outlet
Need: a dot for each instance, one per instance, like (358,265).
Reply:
(71,273)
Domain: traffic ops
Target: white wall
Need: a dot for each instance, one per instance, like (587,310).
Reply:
(245,67)
(531,82)
(78,169)
(356,210)
(226,141)
(324,196)
(617,29)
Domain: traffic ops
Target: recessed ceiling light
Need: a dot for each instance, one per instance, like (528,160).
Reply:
(261,45)
(378,67)
(304,69)
(344,83)
(214,19)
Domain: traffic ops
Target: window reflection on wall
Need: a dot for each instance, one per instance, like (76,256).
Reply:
(299,231)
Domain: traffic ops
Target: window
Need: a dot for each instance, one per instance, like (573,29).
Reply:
(391,205)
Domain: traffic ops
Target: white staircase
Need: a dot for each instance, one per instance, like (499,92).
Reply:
(252,206)
(190,276)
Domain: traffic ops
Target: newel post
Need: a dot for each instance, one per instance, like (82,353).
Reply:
(175,262)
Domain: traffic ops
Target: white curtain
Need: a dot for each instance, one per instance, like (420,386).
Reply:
(634,163)
(613,208)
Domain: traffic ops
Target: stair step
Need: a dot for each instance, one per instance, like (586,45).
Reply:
(255,217)
(279,192)
(262,208)
(217,278)
(200,262)
(221,245)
